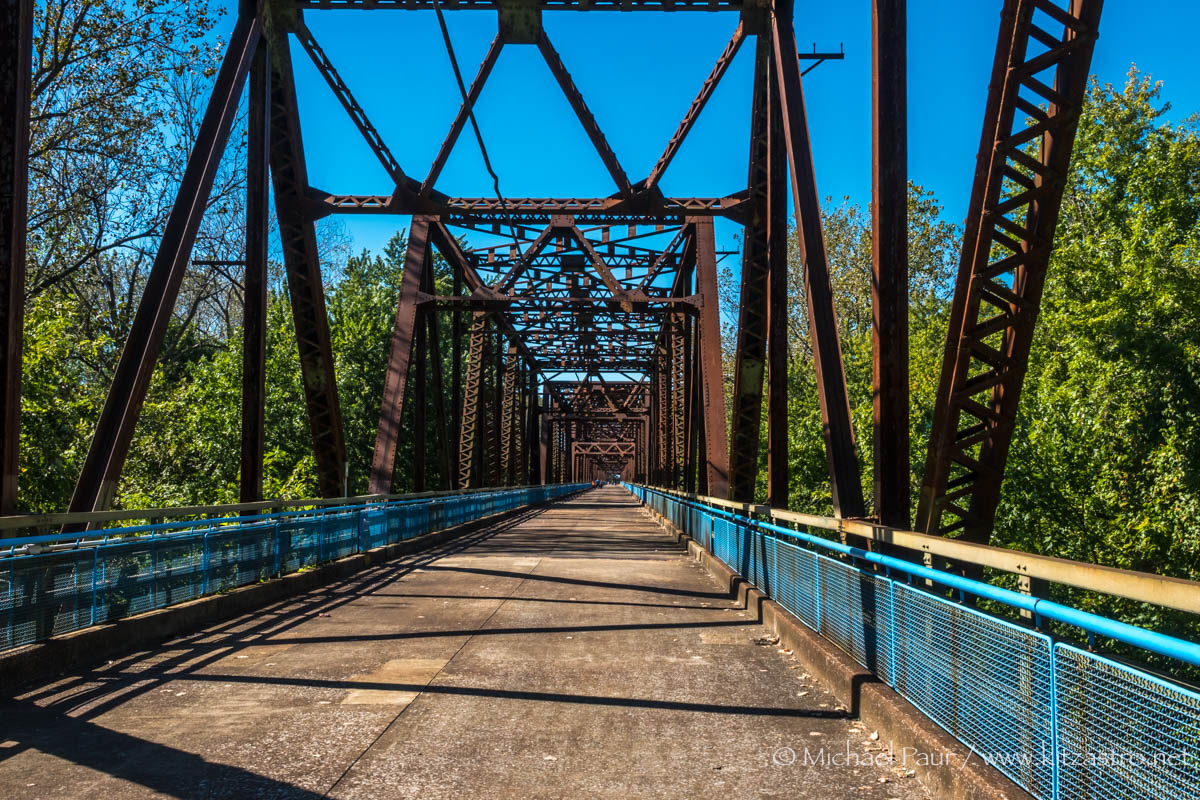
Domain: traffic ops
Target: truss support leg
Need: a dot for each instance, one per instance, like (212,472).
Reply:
(114,431)
(889,289)
(752,320)
(1007,242)
(16,31)
(715,478)
(391,412)
(305,287)
(254,314)
(472,390)
(777,303)
(844,473)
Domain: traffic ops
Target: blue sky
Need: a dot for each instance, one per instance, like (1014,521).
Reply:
(639,72)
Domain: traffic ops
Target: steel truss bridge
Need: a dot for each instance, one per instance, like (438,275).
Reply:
(585,333)
(584,342)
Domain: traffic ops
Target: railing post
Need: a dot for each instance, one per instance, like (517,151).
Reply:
(204,561)
(95,567)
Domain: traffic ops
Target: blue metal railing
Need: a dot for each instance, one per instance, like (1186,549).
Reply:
(63,582)
(1061,722)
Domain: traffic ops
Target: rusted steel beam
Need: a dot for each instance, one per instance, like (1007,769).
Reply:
(464,113)
(1006,249)
(844,472)
(529,210)
(579,106)
(777,303)
(889,253)
(420,404)
(289,174)
(114,431)
(468,446)
(750,356)
(355,111)
(492,407)
(254,314)
(693,112)
(716,440)
(456,377)
(441,411)
(391,412)
(16,32)
(548,5)
(507,405)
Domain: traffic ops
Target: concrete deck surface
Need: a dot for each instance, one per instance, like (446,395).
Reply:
(575,652)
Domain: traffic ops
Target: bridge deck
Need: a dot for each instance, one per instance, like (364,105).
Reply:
(575,652)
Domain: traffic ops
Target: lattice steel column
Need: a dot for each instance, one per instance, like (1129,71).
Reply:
(1006,247)
(472,389)
(508,409)
(679,433)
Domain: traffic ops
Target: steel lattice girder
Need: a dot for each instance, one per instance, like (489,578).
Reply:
(1006,249)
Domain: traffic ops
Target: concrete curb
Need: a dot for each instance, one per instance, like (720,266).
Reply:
(70,651)
(958,775)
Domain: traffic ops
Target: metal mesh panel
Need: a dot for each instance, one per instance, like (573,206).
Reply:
(856,614)
(44,595)
(794,581)
(240,556)
(180,569)
(127,586)
(375,527)
(1123,733)
(986,681)
(341,535)
(300,543)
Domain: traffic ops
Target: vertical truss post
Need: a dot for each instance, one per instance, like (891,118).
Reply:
(844,474)
(533,439)
(456,376)
(254,314)
(678,404)
(752,320)
(493,402)
(16,31)
(889,251)
(545,441)
(391,412)
(420,404)
(114,431)
(445,455)
(289,173)
(777,302)
(1015,202)
(508,398)
(715,479)
(472,390)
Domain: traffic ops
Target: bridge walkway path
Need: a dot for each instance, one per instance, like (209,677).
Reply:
(574,651)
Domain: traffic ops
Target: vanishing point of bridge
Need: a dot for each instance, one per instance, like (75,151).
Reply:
(512,630)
